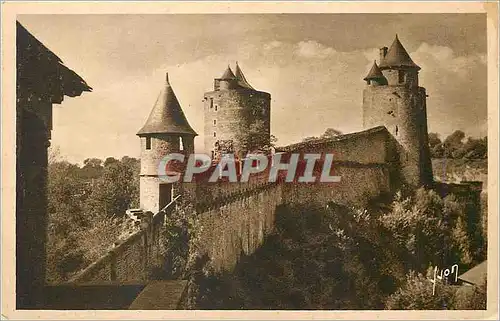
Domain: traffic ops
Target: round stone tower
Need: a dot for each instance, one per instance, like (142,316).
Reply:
(237,117)
(393,98)
(166,131)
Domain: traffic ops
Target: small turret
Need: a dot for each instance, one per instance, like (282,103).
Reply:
(165,131)
(375,76)
(227,81)
(242,81)
(228,74)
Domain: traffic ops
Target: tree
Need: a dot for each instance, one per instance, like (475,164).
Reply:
(476,148)
(310,138)
(453,145)
(454,139)
(134,165)
(419,227)
(114,191)
(437,151)
(109,161)
(462,242)
(92,162)
(331,132)
(460,249)
(82,225)
(92,168)
(66,192)
(54,154)
(416,294)
(434,140)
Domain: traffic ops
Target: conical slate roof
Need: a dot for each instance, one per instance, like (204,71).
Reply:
(374,73)
(228,74)
(241,78)
(167,116)
(397,56)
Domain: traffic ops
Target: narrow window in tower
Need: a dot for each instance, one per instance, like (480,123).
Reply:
(215,107)
(181,144)
(148,142)
(215,134)
(215,122)
(396,130)
(211,102)
(401,76)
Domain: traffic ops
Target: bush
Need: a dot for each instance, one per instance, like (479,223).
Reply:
(416,294)
(419,228)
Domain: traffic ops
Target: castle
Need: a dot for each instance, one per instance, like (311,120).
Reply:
(392,99)
(230,110)
(229,219)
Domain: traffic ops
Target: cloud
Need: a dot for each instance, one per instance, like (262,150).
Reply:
(272,45)
(314,49)
(447,62)
(457,88)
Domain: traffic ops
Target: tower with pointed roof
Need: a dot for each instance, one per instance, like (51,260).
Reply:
(166,131)
(394,99)
(234,112)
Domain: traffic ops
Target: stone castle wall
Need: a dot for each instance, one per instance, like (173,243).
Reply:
(238,226)
(358,185)
(131,261)
(372,146)
(233,219)
(239,223)
(240,216)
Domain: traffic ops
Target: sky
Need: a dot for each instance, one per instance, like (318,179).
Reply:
(312,64)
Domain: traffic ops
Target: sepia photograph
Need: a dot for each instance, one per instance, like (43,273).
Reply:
(222,160)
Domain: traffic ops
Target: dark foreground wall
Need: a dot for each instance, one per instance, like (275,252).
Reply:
(41,80)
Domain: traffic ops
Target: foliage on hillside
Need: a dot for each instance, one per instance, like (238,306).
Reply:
(346,258)
(414,295)
(86,207)
(457,146)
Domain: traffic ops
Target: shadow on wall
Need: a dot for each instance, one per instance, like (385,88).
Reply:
(91,296)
